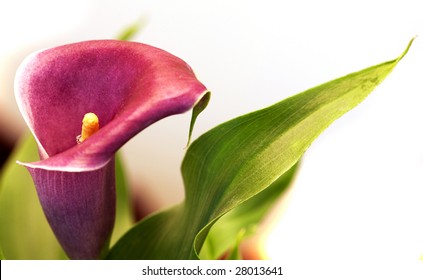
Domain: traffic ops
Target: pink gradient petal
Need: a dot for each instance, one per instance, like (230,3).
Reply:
(129,86)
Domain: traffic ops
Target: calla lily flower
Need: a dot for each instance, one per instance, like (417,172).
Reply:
(128,86)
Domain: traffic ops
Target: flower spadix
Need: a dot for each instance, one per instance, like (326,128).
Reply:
(90,125)
(128,86)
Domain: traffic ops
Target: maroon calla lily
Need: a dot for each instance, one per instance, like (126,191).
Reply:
(128,86)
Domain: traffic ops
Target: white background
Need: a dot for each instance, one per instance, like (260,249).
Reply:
(358,196)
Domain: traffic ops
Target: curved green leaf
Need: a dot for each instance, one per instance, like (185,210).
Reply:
(196,111)
(245,218)
(238,159)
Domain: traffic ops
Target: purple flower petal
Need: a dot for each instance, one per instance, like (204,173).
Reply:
(80,207)
(128,86)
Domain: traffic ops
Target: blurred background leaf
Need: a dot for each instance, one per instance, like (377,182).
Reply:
(132,30)
(1,254)
(124,210)
(24,230)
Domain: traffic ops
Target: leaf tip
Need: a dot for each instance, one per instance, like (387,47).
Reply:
(132,30)
(407,48)
(198,108)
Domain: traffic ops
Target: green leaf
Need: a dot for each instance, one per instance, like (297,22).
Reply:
(24,230)
(234,252)
(245,218)
(124,214)
(129,32)
(1,254)
(238,159)
(198,108)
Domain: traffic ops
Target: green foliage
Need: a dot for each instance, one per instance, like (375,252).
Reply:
(237,160)
(132,30)
(244,219)
(1,254)
(196,111)
(124,214)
